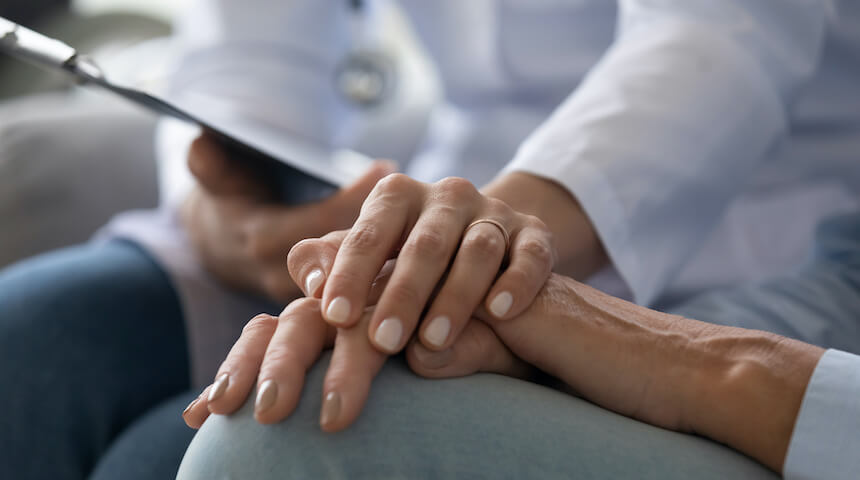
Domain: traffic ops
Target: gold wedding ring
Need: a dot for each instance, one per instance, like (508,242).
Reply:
(497,225)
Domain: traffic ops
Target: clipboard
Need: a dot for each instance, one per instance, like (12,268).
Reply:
(289,179)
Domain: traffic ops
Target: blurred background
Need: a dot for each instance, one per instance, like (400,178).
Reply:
(52,135)
(71,158)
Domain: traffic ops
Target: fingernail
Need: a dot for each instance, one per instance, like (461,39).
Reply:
(219,387)
(501,304)
(266,395)
(433,360)
(338,311)
(388,334)
(190,405)
(330,409)
(437,331)
(313,282)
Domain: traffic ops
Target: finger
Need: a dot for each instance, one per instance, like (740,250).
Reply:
(477,349)
(310,261)
(421,264)
(532,259)
(354,364)
(236,376)
(296,345)
(217,173)
(370,242)
(198,410)
(344,204)
(475,267)
(317,219)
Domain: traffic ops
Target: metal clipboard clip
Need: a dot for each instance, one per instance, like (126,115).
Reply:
(36,48)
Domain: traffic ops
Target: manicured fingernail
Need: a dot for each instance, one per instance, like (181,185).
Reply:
(330,409)
(388,334)
(437,331)
(338,311)
(266,395)
(501,304)
(433,360)
(313,282)
(219,387)
(190,405)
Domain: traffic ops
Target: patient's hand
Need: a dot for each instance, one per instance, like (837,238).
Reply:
(242,237)
(274,353)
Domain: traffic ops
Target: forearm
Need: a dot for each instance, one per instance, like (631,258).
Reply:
(577,244)
(736,386)
(747,389)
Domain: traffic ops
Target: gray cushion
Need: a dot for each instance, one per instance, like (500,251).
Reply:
(67,164)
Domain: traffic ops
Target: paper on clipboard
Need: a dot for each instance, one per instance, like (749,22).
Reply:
(293,173)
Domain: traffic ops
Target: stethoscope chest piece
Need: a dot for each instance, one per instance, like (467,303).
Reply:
(366,78)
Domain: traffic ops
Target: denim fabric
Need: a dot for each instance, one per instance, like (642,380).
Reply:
(91,338)
(482,426)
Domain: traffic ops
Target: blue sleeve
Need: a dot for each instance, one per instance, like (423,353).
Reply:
(825,444)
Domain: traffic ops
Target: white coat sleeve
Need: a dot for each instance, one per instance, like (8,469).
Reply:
(667,127)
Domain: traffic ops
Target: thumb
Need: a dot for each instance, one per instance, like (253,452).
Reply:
(353,195)
(217,172)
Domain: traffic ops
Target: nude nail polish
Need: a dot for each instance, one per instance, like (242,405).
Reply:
(500,305)
(190,406)
(266,395)
(313,282)
(437,330)
(219,387)
(330,409)
(388,334)
(338,311)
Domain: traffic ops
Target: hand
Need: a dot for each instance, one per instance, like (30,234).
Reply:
(677,373)
(241,237)
(429,229)
(275,353)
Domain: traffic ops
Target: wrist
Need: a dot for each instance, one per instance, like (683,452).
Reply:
(580,250)
(747,389)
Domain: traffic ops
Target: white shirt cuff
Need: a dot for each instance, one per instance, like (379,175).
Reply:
(825,444)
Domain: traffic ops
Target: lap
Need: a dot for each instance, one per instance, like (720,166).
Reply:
(151,447)
(478,426)
(90,338)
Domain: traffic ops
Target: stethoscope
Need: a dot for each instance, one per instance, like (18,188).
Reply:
(366,77)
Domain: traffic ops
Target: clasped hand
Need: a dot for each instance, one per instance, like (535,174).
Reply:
(419,262)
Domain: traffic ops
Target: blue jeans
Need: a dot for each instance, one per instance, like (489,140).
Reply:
(482,426)
(93,367)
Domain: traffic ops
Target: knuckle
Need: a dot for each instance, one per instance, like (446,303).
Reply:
(363,237)
(405,294)
(517,279)
(497,206)
(300,308)
(538,251)
(484,242)
(395,184)
(456,190)
(262,323)
(426,244)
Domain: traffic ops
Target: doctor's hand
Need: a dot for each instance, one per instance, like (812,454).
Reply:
(242,237)
(456,250)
